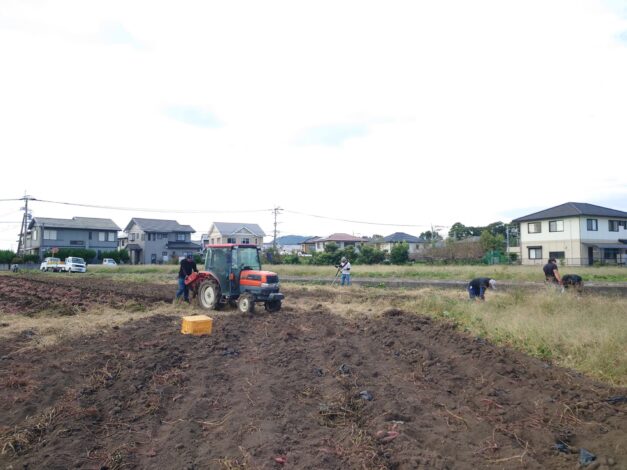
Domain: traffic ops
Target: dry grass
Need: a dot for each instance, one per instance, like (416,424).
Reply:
(49,328)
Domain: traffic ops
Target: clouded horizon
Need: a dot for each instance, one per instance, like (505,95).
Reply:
(402,114)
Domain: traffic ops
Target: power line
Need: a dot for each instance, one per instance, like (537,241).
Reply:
(355,221)
(139,209)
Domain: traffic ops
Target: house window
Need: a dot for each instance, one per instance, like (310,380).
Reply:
(534,227)
(111,236)
(556,225)
(102,236)
(557,254)
(34,235)
(231,240)
(180,237)
(614,225)
(535,252)
(50,234)
(610,253)
(132,237)
(246,240)
(593,225)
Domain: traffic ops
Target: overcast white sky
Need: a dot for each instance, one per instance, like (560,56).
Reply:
(406,113)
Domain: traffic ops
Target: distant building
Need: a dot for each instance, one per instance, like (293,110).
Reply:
(155,241)
(341,240)
(416,245)
(229,232)
(576,233)
(90,233)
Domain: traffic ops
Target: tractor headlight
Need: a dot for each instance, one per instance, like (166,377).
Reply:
(267,285)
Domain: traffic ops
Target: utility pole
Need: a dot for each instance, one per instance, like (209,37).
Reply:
(21,244)
(277,210)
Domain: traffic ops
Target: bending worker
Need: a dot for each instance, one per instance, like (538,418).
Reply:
(551,273)
(478,286)
(188,265)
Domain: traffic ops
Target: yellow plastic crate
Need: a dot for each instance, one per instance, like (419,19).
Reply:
(197,325)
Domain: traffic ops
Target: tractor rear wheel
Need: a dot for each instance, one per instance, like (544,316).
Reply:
(208,295)
(246,304)
(273,306)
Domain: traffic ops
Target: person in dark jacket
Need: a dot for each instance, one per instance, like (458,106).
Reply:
(572,280)
(478,286)
(551,273)
(188,266)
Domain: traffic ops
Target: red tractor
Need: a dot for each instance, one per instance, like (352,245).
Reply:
(233,275)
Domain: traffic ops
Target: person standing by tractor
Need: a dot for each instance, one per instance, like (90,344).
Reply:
(478,286)
(345,268)
(551,273)
(188,265)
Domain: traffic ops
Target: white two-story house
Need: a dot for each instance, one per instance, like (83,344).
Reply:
(576,233)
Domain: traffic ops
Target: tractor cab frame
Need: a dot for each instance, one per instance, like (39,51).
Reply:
(233,274)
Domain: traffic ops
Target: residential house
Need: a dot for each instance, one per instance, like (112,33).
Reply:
(416,244)
(153,241)
(576,233)
(341,240)
(230,232)
(308,246)
(78,232)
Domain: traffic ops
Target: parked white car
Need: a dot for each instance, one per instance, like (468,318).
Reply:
(52,264)
(74,264)
(109,262)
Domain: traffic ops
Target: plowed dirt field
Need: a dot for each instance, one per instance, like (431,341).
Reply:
(304,388)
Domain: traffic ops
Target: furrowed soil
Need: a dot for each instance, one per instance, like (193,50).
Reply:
(304,388)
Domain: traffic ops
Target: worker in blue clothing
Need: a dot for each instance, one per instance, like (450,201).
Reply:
(478,286)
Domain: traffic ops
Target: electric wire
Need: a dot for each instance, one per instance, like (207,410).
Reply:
(138,209)
(189,211)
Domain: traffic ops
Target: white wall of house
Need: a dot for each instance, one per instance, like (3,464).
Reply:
(573,238)
(242,236)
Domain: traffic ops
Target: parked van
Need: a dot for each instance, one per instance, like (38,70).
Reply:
(74,264)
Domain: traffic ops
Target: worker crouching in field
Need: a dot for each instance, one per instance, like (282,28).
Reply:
(478,286)
(572,280)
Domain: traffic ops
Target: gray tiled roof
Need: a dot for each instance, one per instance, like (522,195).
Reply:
(342,237)
(572,209)
(402,237)
(229,228)
(157,225)
(85,223)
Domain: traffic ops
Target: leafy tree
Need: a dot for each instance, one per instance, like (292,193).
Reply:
(491,242)
(497,228)
(370,255)
(291,259)
(459,231)
(124,256)
(431,236)
(330,247)
(399,253)
(6,256)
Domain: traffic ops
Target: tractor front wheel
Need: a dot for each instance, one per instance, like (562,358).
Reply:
(246,304)
(273,306)
(208,295)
